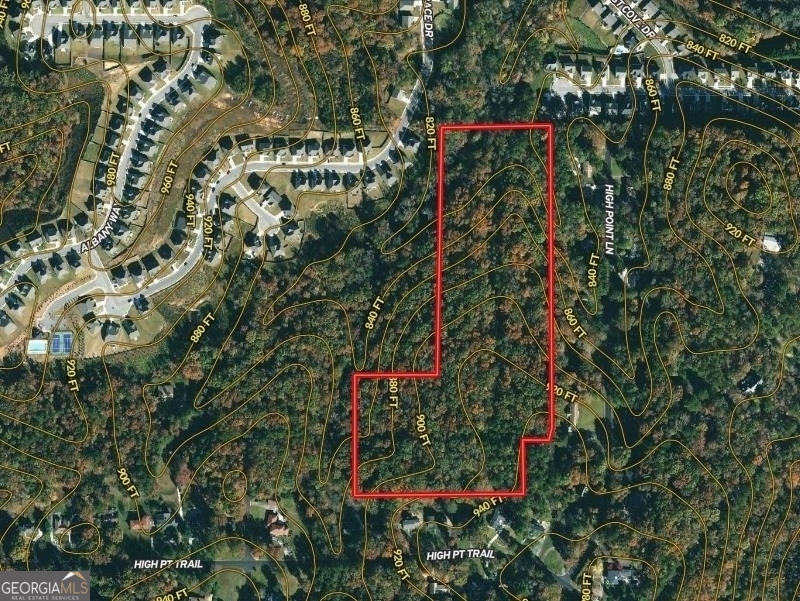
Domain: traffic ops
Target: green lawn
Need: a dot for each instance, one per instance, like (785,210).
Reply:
(586,23)
(227,583)
(586,419)
(258,512)
(549,556)
(540,78)
(616,171)
(396,107)
(91,154)
(587,38)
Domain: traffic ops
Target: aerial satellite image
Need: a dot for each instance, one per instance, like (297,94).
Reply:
(398,300)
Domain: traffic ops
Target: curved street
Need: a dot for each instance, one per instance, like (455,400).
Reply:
(114,304)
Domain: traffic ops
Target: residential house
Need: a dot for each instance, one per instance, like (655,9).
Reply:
(770,243)
(150,262)
(34,239)
(39,267)
(296,147)
(600,9)
(787,77)
(144,524)
(409,524)
(134,91)
(275,522)
(610,21)
(722,78)
(110,330)
(614,577)
(31,534)
(13,302)
(279,529)
(286,206)
(408,12)
(24,285)
(130,328)
(550,62)
(172,97)
(14,247)
(272,197)
(369,178)
(61,527)
(263,143)
(73,258)
(50,232)
(619,71)
(332,179)
(498,521)
(313,147)
(85,305)
(436,588)
(569,65)
(56,262)
(141,303)
(585,70)
(251,240)
(315,179)
(649,10)
(205,78)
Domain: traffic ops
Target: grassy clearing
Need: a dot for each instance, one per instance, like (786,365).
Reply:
(396,107)
(165,488)
(586,419)
(288,582)
(258,512)
(616,171)
(91,154)
(188,290)
(245,215)
(82,184)
(540,78)
(312,202)
(587,19)
(227,583)
(587,38)
(550,557)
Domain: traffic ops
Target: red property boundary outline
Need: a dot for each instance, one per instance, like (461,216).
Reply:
(357,377)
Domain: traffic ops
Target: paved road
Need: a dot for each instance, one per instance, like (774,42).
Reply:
(193,18)
(119,304)
(667,67)
(266,220)
(668,71)
(39,24)
(247,565)
(51,313)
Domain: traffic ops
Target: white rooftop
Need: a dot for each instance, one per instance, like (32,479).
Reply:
(770,244)
(37,347)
